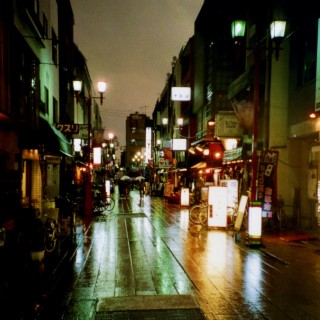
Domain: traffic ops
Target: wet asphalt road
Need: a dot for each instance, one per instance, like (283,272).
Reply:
(151,257)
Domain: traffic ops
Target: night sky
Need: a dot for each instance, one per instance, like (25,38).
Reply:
(130,44)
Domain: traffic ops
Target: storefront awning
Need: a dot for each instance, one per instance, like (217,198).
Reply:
(54,140)
(65,145)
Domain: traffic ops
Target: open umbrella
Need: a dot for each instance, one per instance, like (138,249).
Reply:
(125,178)
(139,178)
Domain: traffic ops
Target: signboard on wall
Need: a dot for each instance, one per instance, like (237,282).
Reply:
(164,163)
(267,181)
(180,93)
(179,144)
(71,128)
(227,125)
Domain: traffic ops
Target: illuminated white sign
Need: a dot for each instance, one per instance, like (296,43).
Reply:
(179,144)
(184,198)
(77,145)
(217,206)
(148,145)
(180,93)
(255,224)
(227,125)
(96,156)
(107,186)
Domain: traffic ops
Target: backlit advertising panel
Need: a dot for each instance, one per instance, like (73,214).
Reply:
(217,206)
(180,93)
(179,144)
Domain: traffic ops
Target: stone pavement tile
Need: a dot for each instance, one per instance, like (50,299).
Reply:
(147,303)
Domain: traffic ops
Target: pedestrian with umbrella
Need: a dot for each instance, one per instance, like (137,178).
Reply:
(124,186)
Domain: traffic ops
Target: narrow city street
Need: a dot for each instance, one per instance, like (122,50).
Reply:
(149,262)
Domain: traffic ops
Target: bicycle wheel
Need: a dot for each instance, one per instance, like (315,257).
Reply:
(110,204)
(194,213)
(203,217)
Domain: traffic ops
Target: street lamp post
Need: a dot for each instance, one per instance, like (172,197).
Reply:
(77,87)
(277,30)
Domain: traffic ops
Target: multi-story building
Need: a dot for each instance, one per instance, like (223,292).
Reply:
(283,82)
(137,125)
(37,100)
(30,96)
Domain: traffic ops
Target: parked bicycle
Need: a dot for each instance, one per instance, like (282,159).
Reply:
(52,229)
(279,217)
(198,213)
(103,204)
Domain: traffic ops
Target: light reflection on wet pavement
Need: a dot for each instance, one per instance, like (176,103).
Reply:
(153,251)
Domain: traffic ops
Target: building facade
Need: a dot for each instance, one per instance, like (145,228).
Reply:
(38,107)
(281,76)
(137,125)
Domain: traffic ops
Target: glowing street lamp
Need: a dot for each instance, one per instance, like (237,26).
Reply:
(77,87)
(277,31)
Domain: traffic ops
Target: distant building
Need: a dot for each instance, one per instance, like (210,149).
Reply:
(136,125)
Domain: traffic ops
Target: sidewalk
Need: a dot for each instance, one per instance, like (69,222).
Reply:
(287,246)
(290,246)
(127,268)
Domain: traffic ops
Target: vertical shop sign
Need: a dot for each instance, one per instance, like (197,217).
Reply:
(267,181)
